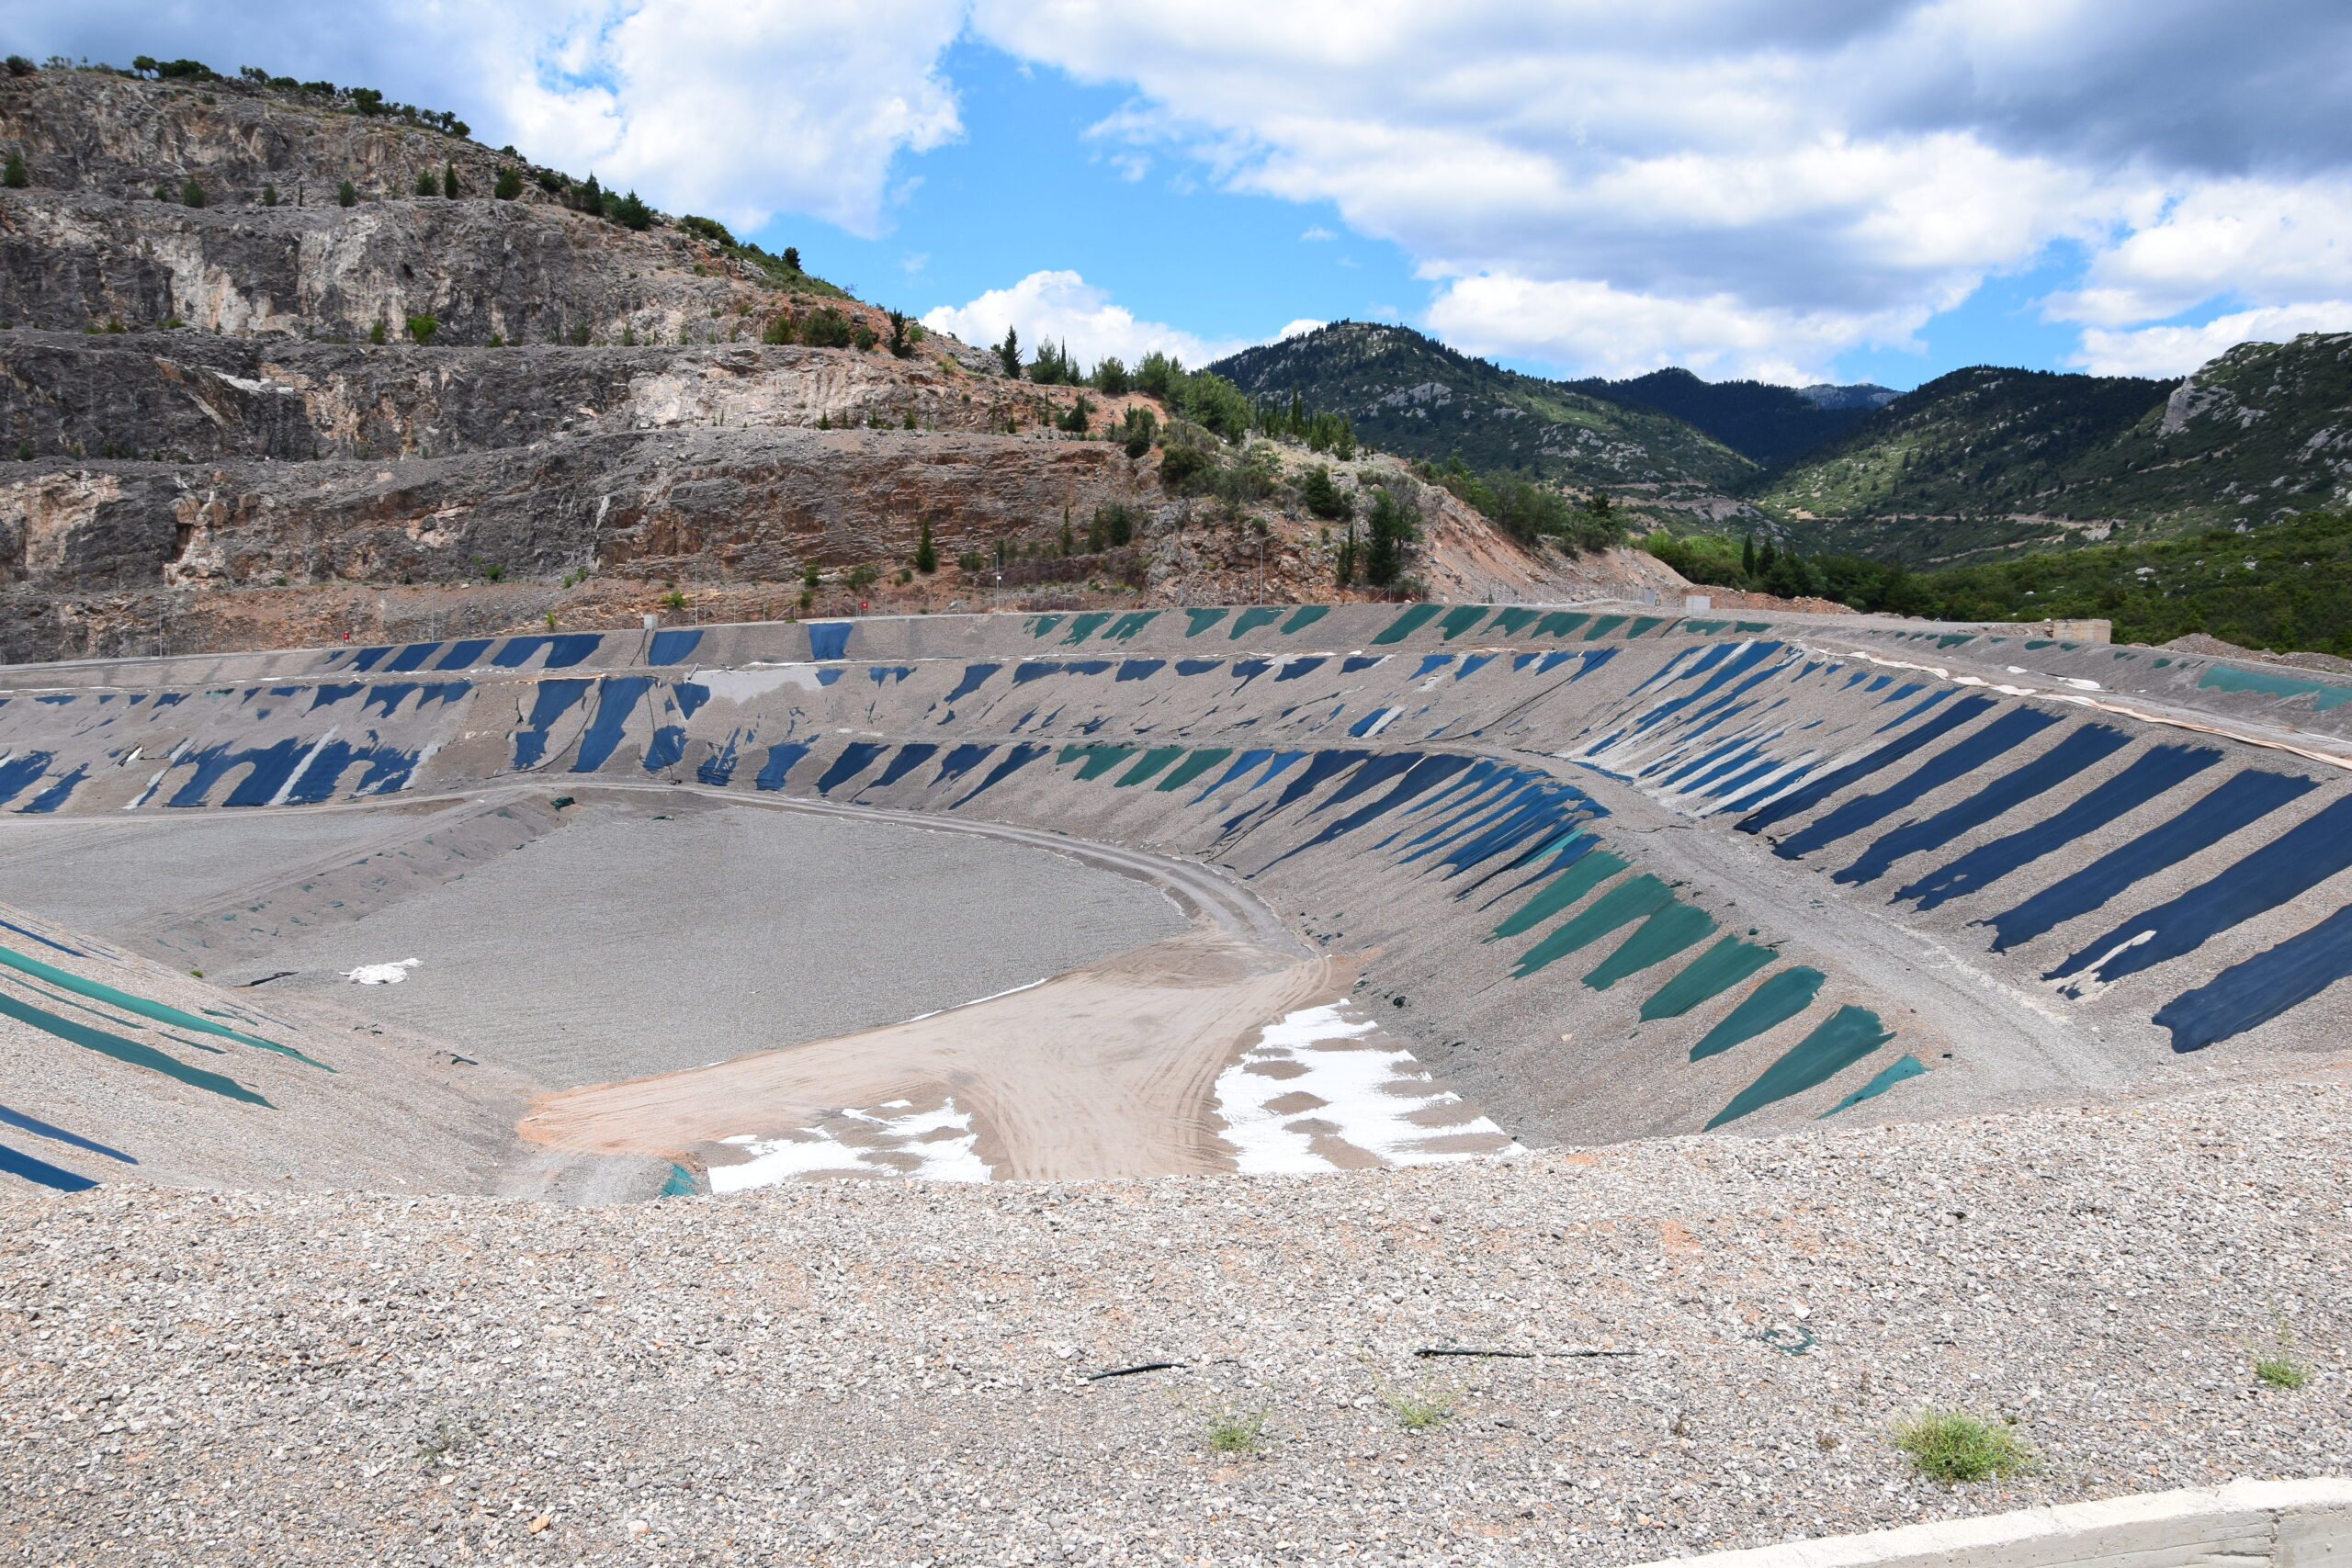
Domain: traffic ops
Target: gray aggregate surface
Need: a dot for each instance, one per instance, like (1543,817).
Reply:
(895,1373)
(628,944)
(102,876)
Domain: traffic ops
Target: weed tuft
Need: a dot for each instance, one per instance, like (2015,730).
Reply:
(1421,1406)
(1953,1446)
(2275,1361)
(1236,1431)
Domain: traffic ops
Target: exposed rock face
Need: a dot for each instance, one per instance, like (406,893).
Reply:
(630,424)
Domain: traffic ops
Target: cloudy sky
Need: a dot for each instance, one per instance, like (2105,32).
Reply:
(1839,189)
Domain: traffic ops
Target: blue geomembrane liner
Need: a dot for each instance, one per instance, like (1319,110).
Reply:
(2089,744)
(2259,989)
(2289,865)
(616,698)
(17,774)
(975,675)
(1420,773)
(41,1173)
(464,653)
(2150,774)
(2241,799)
(410,658)
(855,758)
(1963,756)
(1015,759)
(554,700)
(909,759)
(829,639)
(961,761)
(41,1129)
(780,761)
(1829,783)
(673,646)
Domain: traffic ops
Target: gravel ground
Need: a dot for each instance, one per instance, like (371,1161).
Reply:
(685,932)
(893,1372)
(103,876)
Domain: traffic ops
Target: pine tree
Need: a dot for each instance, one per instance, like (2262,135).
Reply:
(1392,527)
(926,555)
(449,179)
(426,185)
(1008,353)
(14,174)
(346,195)
(1347,564)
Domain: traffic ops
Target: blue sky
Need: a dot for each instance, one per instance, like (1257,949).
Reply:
(1864,189)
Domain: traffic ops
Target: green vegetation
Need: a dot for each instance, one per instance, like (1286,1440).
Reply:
(376,333)
(1139,429)
(710,229)
(1394,524)
(346,195)
(1528,512)
(1323,499)
(269,196)
(825,327)
(1409,394)
(1953,1446)
(1421,1406)
(1077,417)
(421,329)
(449,179)
(926,553)
(1053,366)
(2286,587)
(2275,1360)
(509,184)
(426,184)
(191,193)
(1770,425)
(13,174)
(1008,353)
(1235,1432)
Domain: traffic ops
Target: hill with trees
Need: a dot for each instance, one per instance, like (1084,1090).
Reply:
(1767,424)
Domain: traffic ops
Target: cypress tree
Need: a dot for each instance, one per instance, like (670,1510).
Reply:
(449,179)
(1008,353)
(1747,556)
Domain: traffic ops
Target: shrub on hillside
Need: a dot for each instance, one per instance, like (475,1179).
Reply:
(426,185)
(346,195)
(191,193)
(14,174)
(509,186)
(710,229)
(1110,378)
(825,328)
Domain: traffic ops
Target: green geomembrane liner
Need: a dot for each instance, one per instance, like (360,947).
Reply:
(1603,626)
(1663,935)
(1040,625)
(1084,626)
(122,1050)
(1200,621)
(1460,620)
(66,979)
(1633,899)
(1775,1002)
(1644,625)
(1597,867)
(1839,1041)
(1100,760)
(1151,763)
(1710,974)
(681,1183)
(1908,1067)
(1414,618)
(2230,678)
(1194,766)
(1303,617)
(1251,620)
(1512,622)
(1560,622)
(1126,626)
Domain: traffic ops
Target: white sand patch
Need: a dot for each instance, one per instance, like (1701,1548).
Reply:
(938,1142)
(1312,1078)
(381,974)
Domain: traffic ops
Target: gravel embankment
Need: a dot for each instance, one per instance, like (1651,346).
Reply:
(891,1373)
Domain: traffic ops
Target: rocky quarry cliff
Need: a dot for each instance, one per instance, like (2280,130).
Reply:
(256,388)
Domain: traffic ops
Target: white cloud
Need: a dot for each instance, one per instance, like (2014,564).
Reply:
(1746,185)
(2176,351)
(1300,328)
(743,112)
(1319,233)
(1064,307)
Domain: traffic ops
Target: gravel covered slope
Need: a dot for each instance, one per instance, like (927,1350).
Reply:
(892,1373)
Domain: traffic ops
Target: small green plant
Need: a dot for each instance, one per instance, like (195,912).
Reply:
(628,335)
(421,329)
(1421,1407)
(13,174)
(809,574)
(2275,1360)
(376,333)
(1235,1432)
(673,601)
(426,185)
(508,185)
(906,575)
(346,195)
(191,193)
(269,196)
(449,180)
(497,340)
(197,973)
(447,1438)
(806,599)
(862,576)
(551,620)
(971,560)
(1953,1446)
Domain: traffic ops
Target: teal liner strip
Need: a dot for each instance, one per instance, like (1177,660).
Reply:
(1597,867)
(1710,974)
(1775,1002)
(122,1050)
(1838,1042)
(1629,900)
(66,979)
(1908,1067)
(1663,935)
